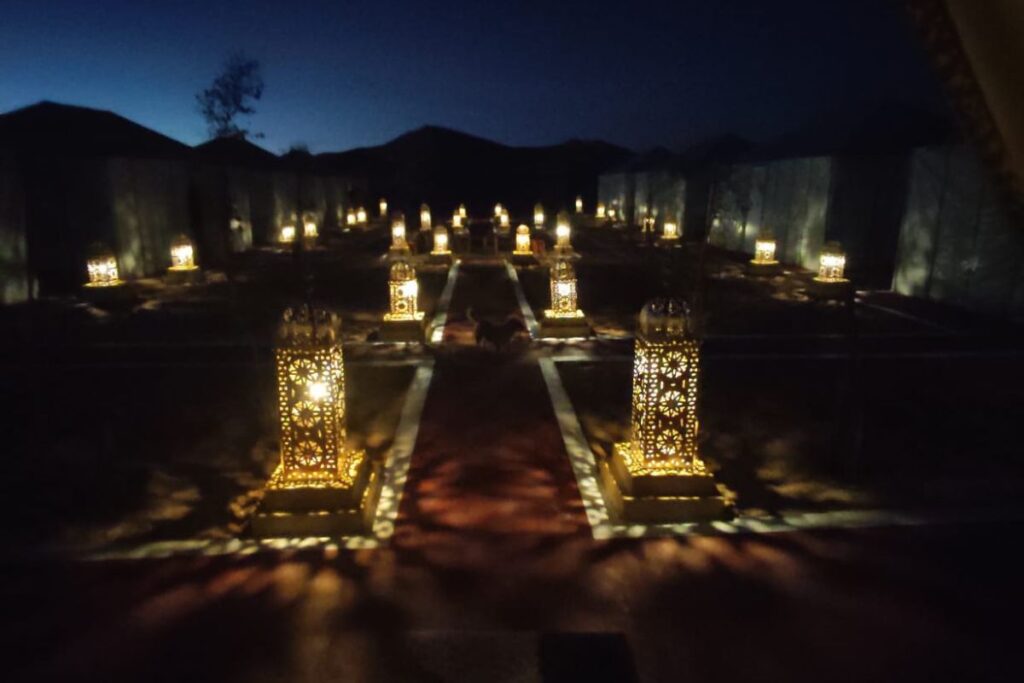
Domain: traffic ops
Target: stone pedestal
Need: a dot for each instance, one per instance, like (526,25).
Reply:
(403,331)
(111,294)
(184,277)
(297,512)
(755,269)
(825,290)
(563,328)
(658,498)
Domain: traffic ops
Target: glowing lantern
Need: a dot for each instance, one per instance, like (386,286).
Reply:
(287,233)
(457,220)
(360,215)
(398,241)
(462,211)
(350,217)
(538,216)
(182,254)
(404,291)
(309,228)
(563,233)
(101,265)
(600,210)
(498,210)
(764,250)
(611,213)
(658,475)
(440,242)
(318,487)
(424,217)
(648,223)
(670,230)
(522,241)
(579,204)
(383,206)
(833,263)
(563,292)
(503,220)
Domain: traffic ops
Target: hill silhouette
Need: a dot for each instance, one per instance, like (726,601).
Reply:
(444,168)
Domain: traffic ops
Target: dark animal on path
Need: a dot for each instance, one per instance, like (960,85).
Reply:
(498,334)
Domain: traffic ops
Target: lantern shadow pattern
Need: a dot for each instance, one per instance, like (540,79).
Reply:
(321,487)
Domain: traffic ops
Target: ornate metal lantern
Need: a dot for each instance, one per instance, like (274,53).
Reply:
(101,265)
(658,474)
(441,241)
(424,217)
(498,210)
(318,486)
(563,233)
(600,211)
(309,230)
(383,207)
(522,247)
(182,254)
(832,263)
(670,230)
(764,249)
(563,292)
(462,211)
(503,220)
(457,221)
(350,217)
(287,233)
(579,204)
(361,215)
(398,241)
(538,216)
(404,293)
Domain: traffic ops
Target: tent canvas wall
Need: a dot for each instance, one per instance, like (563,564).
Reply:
(957,243)
(617,189)
(14,280)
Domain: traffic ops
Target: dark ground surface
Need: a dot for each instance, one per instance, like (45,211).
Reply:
(492,574)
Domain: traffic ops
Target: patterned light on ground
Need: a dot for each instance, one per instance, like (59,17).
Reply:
(182,254)
(764,250)
(440,242)
(424,217)
(287,233)
(538,216)
(101,265)
(522,241)
(563,232)
(360,215)
(404,292)
(832,263)
(600,212)
(383,206)
(398,232)
(563,292)
(670,231)
(665,377)
(579,204)
(311,402)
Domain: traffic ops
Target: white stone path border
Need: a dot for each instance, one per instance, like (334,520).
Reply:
(584,466)
(395,474)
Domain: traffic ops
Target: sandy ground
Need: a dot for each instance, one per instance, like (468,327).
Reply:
(492,573)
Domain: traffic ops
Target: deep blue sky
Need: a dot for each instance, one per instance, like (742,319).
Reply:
(346,74)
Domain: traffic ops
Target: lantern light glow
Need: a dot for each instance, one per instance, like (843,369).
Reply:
(309,230)
(579,204)
(350,217)
(764,250)
(383,206)
(538,216)
(600,210)
(424,217)
(361,215)
(398,241)
(440,242)
(670,230)
(287,233)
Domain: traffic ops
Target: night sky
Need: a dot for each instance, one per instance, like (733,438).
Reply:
(347,74)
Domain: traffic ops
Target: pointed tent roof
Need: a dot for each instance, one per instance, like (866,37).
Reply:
(235,151)
(67,130)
